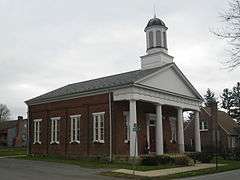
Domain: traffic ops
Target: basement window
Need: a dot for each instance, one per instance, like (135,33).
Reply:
(55,130)
(98,127)
(75,128)
(36,131)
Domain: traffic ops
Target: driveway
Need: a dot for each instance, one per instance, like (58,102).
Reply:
(14,169)
(229,175)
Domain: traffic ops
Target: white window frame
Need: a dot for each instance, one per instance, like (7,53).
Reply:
(99,128)
(74,128)
(126,119)
(36,131)
(202,126)
(55,130)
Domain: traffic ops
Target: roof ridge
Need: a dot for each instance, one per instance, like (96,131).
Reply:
(114,80)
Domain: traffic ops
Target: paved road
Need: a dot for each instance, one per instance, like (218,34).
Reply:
(229,175)
(13,169)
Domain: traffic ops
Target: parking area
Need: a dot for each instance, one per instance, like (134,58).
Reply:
(38,170)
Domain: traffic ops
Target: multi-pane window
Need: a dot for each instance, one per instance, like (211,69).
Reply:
(203,126)
(55,130)
(75,128)
(36,131)
(126,126)
(98,127)
(150,39)
(158,37)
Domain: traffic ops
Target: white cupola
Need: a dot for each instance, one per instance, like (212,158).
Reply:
(156,41)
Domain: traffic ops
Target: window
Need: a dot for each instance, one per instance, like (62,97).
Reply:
(150,39)
(98,127)
(203,126)
(233,142)
(164,40)
(75,128)
(36,131)
(126,127)
(55,129)
(158,37)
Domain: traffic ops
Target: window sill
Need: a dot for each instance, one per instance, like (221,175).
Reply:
(203,130)
(54,143)
(98,142)
(37,143)
(75,142)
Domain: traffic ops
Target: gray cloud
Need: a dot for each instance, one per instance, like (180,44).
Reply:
(48,44)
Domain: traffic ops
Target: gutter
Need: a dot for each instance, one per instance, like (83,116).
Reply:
(75,95)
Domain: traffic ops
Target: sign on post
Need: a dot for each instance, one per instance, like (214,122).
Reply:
(135,127)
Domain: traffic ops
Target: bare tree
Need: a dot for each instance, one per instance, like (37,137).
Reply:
(4,113)
(231,32)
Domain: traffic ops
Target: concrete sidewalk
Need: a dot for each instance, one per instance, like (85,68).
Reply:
(165,172)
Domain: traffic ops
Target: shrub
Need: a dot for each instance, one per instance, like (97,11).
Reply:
(181,160)
(165,159)
(149,161)
(236,154)
(204,157)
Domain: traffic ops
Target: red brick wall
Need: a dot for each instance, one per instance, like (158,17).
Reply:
(86,106)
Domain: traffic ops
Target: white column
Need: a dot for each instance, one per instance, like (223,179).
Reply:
(159,130)
(133,134)
(197,133)
(180,131)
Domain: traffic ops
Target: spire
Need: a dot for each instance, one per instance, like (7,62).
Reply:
(154,10)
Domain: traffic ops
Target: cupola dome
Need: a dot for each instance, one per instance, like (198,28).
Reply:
(155,22)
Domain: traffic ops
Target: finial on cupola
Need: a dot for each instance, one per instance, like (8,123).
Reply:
(154,10)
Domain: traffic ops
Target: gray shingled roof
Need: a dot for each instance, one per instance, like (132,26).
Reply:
(95,84)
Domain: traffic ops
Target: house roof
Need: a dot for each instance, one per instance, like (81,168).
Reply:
(225,121)
(108,82)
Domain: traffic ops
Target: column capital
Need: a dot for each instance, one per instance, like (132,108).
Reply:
(158,104)
(179,108)
(132,100)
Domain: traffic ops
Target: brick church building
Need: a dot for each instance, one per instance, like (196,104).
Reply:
(132,113)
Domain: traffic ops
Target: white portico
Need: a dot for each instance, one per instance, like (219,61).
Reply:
(166,86)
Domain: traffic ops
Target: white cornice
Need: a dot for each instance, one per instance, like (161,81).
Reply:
(138,93)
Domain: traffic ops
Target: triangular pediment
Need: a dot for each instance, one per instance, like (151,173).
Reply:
(171,80)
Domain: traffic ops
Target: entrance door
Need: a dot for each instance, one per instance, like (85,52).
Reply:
(151,136)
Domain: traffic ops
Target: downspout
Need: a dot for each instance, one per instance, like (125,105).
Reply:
(110,125)
(28,133)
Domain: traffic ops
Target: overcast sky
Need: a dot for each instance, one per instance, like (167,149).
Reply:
(46,44)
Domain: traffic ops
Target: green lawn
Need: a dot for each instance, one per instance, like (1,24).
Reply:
(94,163)
(12,151)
